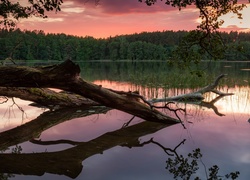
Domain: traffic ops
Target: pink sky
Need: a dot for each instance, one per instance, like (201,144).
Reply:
(117,17)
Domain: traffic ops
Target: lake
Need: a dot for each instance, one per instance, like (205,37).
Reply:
(93,144)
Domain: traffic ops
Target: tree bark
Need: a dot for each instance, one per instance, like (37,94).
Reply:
(46,97)
(66,76)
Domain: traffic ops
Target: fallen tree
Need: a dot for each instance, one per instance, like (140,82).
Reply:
(196,96)
(66,76)
(32,84)
(47,97)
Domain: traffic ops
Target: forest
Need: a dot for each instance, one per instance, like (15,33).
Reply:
(37,45)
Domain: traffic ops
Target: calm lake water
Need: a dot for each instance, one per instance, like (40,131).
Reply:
(84,145)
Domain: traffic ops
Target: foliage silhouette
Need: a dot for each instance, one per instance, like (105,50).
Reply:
(186,167)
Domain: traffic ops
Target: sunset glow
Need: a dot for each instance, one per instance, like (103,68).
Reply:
(122,17)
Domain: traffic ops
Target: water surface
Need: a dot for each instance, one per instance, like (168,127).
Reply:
(224,140)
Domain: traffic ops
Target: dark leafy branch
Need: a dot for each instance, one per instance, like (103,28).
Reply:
(210,10)
(205,39)
(11,11)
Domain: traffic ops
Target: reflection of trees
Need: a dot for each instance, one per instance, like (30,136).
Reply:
(16,150)
(67,162)
(187,167)
(43,122)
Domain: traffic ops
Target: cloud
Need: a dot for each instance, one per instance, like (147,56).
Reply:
(116,17)
(70,7)
(45,20)
(125,7)
(234,28)
(73,10)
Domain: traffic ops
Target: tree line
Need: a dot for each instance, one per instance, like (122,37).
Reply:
(36,45)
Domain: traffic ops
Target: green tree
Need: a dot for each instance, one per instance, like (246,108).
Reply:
(113,47)
(123,47)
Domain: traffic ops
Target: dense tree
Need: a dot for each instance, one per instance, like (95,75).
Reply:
(36,45)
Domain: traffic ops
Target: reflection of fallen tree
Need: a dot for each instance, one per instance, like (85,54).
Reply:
(69,162)
(43,122)
(210,105)
(197,97)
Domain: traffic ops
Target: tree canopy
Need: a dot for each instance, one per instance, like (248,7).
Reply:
(37,45)
(210,10)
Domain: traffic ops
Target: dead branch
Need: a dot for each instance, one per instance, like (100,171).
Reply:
(195,96)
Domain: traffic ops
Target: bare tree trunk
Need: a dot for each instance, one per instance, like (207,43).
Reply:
(47,97)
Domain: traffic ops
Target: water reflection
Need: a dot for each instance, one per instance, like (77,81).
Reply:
(69,161)
(91,143)
(238,103)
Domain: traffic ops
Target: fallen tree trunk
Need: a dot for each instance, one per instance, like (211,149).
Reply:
(195,96)
(66,76)
(46,97)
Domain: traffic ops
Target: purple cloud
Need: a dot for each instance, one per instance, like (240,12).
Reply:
(126,7)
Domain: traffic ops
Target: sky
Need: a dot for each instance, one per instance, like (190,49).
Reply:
(119,17)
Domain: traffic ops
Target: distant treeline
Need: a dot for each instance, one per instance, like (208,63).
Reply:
(36,45)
